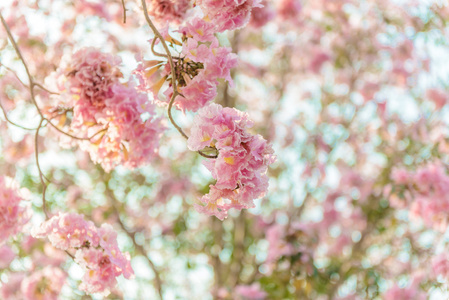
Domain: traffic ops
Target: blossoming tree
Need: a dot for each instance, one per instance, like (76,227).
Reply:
(235,149)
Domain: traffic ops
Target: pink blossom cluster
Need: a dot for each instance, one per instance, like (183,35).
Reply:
(110,112)
(411,292)
(203,49)
(13,215)
(289,9)
(168,10)
(228,14)
(440,265)
(275,236)
(430,189)
(242,162)
(96,249)
(250,292)
(203,62)
(7,255)
(43,284)
(261,15)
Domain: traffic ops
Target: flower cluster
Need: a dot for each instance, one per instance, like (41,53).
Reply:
(440,265)
(43,284)
(228,14)
(241,165)
(410,292)
(96,249)
(202,63)
(12,215)
(168,10)
(109,112)
(430,190)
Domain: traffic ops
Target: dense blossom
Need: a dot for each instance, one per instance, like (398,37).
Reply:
(198,72)
(168,10)
(250,292)
(228,14)
(13,214)
(242,162)
(96,249)
(7,255)
(289,9)
(351,94)
(109,112)
(407,293)
(430,200)
(440,265)
(11,289)
(43,284)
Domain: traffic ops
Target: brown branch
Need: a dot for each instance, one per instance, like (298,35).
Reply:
(153,43)
(124,11)
(45,89)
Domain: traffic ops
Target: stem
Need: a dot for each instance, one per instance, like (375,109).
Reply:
(153,43)
(124,11)
(172,67)
(19,54)
(13,123)
(41,174)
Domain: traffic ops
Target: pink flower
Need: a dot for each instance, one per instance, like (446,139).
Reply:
(200,30)
(219,65)
(67,231)
(275,236)
(242,162)
(440,265)
(198,92)
(228,14)
(261,15)
(411,292)
(101,272)
(120,120)
(289,9)
(400,176)
(430,189)
(11,289)
(440,98)
(168,10)
(43,284)
(6,256)
(96,250)
(250,292)
(12,215)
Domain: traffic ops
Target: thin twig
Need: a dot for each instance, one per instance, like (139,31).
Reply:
(19,54)
(41,174)
(15,75)
(124,11)
(172,67)
(23,83)
(32,84)
(11,122)
(153,43)
(207,156)
(44,88)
